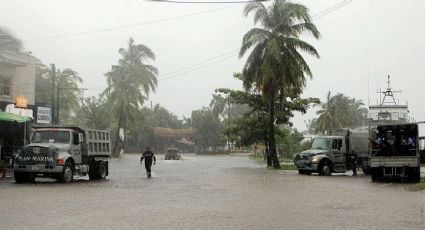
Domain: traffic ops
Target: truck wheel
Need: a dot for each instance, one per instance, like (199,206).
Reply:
(366,170)
(375,174)
(93,168)
(103,170)
(304,172)
(20,178)
(415,175)
(67,174)
(325,168)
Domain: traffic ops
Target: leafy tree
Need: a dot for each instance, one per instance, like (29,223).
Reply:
(129,84)
(218,105)
(65,84)
(141,133)
(92,113)
(275,65)
(252,127)
(208,129)
(338,112)
(289,142)
(8,41)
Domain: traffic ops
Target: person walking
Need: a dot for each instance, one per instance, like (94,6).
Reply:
(149,157)
(353,162)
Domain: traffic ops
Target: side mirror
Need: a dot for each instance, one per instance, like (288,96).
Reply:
(422,144)
(81,137)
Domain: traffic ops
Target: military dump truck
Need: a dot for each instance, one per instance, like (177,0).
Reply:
(395,152)
(330,154)
(63,151)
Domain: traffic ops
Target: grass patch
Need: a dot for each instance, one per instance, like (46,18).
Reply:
(288,167)
(284,166)
(257,158)
(419,186)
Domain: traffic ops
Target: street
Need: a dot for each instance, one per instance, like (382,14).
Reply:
(210,192)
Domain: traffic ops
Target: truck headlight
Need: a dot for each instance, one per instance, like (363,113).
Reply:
(314,159)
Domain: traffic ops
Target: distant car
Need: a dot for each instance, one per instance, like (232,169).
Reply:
(172,154)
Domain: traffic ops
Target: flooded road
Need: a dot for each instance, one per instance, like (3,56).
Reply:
(210,192)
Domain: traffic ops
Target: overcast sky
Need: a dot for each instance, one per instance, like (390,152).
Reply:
(196,45)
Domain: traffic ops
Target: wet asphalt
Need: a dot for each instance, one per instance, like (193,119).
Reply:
(210,192)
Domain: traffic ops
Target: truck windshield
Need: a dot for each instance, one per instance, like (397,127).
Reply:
(50,137)
(320,143)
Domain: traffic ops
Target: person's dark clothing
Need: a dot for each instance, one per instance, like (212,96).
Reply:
(148,156)
(352,162)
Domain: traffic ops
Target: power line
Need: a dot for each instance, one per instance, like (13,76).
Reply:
(128,26)
(200,65)
(197,68)
(331,9)
(206,2)
(202,62)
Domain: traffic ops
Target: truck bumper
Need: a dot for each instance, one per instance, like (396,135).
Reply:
(394,162)
(38,169)
(308,167)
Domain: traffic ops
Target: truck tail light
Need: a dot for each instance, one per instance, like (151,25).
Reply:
(59,161)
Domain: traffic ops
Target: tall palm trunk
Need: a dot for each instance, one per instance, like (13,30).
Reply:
(267,153)
(117,136)
(272,139)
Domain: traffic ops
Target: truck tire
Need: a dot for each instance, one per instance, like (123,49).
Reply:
(414,175)
(375,174)
(21,178)
(325,168)
(93,168)
(102,170)
(67,174)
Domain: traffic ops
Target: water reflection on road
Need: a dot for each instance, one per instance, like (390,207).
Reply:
(210,192)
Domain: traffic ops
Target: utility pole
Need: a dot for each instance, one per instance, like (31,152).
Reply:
(229,145)
(57,103)
(53,93)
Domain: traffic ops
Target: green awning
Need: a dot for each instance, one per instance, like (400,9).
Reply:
(12,117)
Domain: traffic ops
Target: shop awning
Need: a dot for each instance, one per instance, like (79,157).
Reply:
(12,117)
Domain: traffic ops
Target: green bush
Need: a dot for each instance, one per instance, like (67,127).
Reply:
(3,164)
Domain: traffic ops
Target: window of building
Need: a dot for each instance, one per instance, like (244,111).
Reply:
(4,86)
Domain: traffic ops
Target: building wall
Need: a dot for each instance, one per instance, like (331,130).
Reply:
(22,80)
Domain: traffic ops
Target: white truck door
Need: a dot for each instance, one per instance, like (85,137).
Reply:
(76,148)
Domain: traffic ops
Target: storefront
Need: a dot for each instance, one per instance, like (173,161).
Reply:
(13,134)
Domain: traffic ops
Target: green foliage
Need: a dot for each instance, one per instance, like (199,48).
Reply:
(141,133)
(338,112)
(289,142)
(208,129)
(70,95)
(252,127)
(92,113)
(3,164)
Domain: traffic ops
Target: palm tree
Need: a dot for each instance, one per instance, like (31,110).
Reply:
(8,41)
(338,112)
(129,84)
(275,64)
(329,118)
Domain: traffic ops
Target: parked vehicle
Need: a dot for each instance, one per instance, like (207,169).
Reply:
(329,154)
(395,152)
(172,154)
(63,151)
